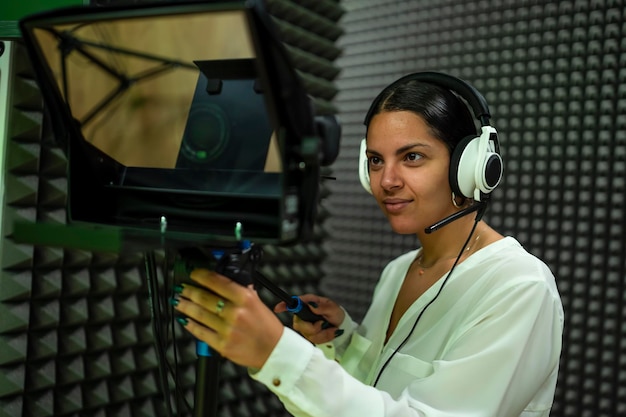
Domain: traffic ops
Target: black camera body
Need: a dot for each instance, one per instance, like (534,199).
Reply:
(237,263)
(250,150)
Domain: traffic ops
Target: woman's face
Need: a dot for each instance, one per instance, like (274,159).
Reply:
(408,169)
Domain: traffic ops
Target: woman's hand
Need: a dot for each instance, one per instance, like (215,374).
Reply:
(322,331)
(229,317)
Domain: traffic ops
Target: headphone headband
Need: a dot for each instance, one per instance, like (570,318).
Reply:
(465,90)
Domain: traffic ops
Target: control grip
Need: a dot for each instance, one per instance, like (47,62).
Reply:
(302,310)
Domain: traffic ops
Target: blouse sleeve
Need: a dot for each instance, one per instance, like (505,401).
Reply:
(310,385)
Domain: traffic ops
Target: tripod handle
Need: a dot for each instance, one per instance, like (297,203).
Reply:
(302,310)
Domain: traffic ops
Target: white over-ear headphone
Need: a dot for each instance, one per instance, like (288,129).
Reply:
(364,173)
(475,164)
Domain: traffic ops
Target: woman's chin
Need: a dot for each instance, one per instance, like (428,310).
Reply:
(404,229)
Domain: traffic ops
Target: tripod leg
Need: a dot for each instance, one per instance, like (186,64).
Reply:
(207,381)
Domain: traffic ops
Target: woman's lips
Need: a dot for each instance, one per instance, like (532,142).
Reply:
(395,205)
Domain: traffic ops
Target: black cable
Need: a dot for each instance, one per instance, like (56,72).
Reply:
(169,329)
(156,313)
(181,399)
(458,258)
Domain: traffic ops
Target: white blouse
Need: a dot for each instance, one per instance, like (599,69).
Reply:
(488,345)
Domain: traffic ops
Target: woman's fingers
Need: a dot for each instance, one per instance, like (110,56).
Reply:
(318,332)
(201,332)
(203,307)
(323,306)
(321,331)
(223,286)
(232,320)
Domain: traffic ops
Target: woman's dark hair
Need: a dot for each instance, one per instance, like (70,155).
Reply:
(443,111)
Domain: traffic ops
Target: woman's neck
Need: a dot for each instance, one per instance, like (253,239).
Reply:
(450,241)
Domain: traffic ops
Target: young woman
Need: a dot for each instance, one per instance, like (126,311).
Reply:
(469,324)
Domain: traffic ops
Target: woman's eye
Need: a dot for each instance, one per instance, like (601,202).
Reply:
(374,160)
(413,156)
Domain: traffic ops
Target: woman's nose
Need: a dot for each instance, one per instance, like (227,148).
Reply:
(390,179)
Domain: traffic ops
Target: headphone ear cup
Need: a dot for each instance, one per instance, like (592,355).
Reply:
(475,165)
(462,168)
(364,173)
(489,173)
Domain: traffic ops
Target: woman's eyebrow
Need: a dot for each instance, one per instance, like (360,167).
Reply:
(402,149)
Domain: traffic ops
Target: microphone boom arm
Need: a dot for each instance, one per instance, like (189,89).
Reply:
(480,207)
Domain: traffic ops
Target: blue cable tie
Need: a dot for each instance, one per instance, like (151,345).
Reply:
(202,349)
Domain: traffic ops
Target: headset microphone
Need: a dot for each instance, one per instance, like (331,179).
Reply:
(479,207)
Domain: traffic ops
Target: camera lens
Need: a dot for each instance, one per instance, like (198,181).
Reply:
(207,134)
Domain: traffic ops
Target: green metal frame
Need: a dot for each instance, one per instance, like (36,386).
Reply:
(12,11)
